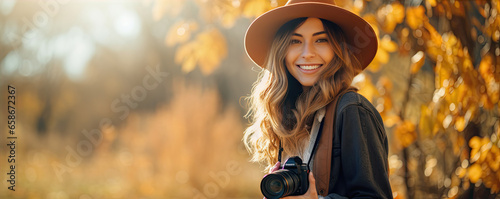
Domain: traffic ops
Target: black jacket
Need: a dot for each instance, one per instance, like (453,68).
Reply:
(359,166)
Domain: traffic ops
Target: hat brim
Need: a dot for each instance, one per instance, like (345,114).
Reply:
(360,36)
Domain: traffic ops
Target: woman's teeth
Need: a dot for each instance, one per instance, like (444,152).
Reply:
(309,67)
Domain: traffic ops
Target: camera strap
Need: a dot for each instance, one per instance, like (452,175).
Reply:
(279,152)
(315,146)
(323,157)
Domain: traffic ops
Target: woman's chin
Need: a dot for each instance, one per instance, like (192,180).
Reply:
(307,83)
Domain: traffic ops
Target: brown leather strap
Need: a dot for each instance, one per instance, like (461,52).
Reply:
(323,157)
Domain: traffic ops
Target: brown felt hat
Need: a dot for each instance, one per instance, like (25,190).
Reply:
(360,35)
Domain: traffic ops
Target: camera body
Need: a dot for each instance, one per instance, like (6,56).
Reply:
(291,180)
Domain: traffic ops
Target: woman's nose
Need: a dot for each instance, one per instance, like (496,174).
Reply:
(308,51)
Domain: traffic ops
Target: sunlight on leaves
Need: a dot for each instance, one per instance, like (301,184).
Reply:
(485,156)
(492,24)
(489,72)
(385,47)
(224,11)
(433,3)
(180,32)
(405,133)
(426,124)
(254,8)
(207,50)
(475,173)
(417,61)
(355,6)
(390,16)
(384,104)
(365,85)
(415,17)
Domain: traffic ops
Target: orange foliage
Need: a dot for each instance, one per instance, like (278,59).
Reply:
(415,17)
(405,133)
(207,50)
(485,159)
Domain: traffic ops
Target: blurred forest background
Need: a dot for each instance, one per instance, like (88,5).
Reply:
(145,99)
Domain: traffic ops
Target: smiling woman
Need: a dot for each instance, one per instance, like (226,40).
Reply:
(302,104)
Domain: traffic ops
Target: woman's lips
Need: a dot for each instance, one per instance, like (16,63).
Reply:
(309,68)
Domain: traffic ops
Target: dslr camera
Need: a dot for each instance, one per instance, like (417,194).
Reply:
(290,180)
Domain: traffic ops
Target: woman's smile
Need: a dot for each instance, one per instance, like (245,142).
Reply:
(308,68)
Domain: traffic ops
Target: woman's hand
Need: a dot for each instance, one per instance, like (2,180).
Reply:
(311,192)
(275,167)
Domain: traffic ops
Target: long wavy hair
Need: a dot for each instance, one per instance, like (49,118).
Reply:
(279,109)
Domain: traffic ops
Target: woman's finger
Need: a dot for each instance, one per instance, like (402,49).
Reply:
(275,167)
(312,184)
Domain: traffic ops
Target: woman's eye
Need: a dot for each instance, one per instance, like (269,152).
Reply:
(294,41)
(322,40)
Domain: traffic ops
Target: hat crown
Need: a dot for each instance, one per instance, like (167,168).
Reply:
(311,1)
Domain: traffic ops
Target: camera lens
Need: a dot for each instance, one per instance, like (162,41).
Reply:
(279,184)
(275,186)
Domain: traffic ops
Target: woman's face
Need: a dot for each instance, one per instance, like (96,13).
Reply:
(309,52)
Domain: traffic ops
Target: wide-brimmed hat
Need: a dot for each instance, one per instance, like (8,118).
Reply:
(359,34)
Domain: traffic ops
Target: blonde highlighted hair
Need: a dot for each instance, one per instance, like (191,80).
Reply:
(280,111)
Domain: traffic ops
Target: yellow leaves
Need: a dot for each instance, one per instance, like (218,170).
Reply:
(365,85)
(415,17)
(475,144)
(434,37)
(180,32)
(391,15)
(433,3)
(434,42)
(460,123)
(228,18)
(494,157)
(254,8)
(207,51)
(372,20)
(355,6)
(405,133)
(491,77)
(457,83)
(384,102)
(417,61)
(224,11)
(386,46)
(492,25)
(427,124)
(475,173)
(485,156)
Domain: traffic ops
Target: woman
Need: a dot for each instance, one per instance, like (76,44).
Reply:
(310,52)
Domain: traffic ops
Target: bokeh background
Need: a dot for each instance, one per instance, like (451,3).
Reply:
(146,99)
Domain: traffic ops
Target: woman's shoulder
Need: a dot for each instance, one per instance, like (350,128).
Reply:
(356,100)
(355,109)
(353,98)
